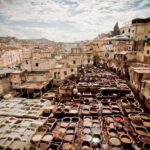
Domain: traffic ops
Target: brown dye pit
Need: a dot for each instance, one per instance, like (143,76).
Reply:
(146,146)
(141,132)
(67,146)
(145,116)
(126,140)
(114,141)
(116,148)
(86,147)
(144,139)
(146,123)
(69,137)
(42,146)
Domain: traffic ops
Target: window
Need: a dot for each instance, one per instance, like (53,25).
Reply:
(74,62)
(65,72)
(88,61)
(123,31)
(129,30)
(26,62)
(132,31)
(58,75)
(71,70)
(54,75)
(36,64)
(148,51)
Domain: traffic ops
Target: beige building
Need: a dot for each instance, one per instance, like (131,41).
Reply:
(137,74)
(5,85)
(118,43)
(147,51)
(138,31)
(144,91)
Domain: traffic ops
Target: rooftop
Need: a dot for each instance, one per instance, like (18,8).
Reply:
(33,85)
(142,70)
(5,71)
(119,37)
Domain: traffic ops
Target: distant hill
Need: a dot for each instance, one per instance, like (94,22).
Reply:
(41,43)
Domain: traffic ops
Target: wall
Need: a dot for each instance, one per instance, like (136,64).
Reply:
(77,59)
(15,80)
(141,30)
(145,90)
(4,85)
(38,77)
(36,64)
(1,63)
(140,56)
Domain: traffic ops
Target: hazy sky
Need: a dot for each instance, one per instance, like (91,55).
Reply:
(67,20)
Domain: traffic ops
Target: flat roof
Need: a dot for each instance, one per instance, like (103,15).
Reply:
(17,71)
(33,85)
(147,81)
(140,68)
(142,71)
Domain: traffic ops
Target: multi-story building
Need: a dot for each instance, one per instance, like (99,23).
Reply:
(138,31)
(147,51)
(118,43)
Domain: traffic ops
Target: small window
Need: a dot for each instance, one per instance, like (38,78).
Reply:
(132,31)
(26,62)
(36,64)
(65,72)
(123,31)
(74,62)
(72,70)
(129,30)
(54,75)
(148,51)
(88,61)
